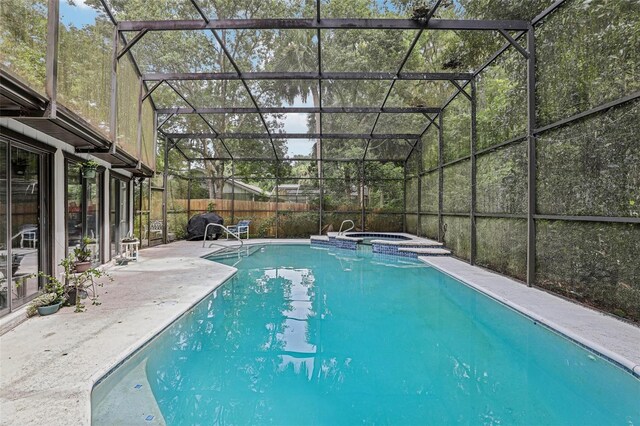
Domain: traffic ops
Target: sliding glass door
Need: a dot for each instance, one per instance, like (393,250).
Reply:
(23,223)
(118,212)
(84,209)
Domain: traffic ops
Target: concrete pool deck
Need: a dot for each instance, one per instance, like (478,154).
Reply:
(48,365)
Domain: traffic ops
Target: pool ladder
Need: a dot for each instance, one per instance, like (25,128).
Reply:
(206,229)
(353,225)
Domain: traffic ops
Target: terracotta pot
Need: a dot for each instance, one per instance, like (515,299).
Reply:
(82,266)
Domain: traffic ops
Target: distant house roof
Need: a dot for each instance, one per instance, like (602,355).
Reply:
(247,187)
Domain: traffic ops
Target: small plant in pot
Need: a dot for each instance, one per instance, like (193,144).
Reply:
(82,255)
(77,284)
(50,301)
(89,169)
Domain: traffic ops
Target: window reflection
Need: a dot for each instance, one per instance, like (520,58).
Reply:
(25,229)
(83,210)
(4,287)
(118,213)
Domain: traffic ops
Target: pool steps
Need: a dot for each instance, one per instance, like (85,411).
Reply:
(234,252)
(412,247)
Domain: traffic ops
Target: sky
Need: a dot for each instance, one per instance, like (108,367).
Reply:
(78,15)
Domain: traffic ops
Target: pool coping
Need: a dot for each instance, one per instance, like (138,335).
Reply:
(468,275)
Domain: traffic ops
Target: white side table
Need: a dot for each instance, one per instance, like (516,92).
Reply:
(129,249)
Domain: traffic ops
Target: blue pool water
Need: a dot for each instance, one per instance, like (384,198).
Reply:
(304,336)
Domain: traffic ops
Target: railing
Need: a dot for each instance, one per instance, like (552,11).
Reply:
(206,230)
(353,225)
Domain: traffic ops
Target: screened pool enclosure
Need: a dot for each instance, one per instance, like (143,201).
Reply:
(506,129)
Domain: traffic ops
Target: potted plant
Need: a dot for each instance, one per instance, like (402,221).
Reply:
(89,169)
(77,283)
(82,255)
(50,301)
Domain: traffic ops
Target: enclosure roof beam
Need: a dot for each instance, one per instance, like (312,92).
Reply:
(432,11)
(445,76)
(293,135)
(328,24)
(132,43)
(153,88)
(284,160)
(515,44)
(284,110)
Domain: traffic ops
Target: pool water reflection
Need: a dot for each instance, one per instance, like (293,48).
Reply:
(316,336)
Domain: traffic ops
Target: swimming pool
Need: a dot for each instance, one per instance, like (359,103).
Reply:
(327,336)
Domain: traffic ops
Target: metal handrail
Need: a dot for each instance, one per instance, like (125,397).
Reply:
(353,225)
(206,229)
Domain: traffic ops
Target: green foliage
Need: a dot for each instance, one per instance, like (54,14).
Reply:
(412,223)
(595,263)
(90,165)
(429,196)
(457,129)
(297,224)
(23,42)
(587,53)
(177,224)
(501,245)
(501,182)
(429,226)
(457,235)
(591,167)
(384,222)
(83,253)
(78,283)
(46,299)
(456,194)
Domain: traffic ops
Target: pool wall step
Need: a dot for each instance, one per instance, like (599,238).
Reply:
(321,241)
(414,252)
(396,248)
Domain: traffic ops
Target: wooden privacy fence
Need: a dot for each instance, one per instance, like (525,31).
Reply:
(239,206)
